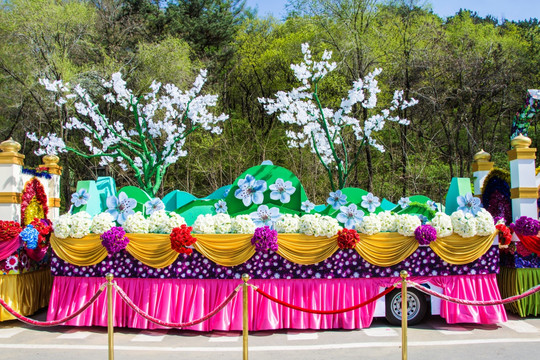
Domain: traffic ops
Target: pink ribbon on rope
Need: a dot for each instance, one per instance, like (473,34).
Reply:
(54,322)
(157,321)
(474,302)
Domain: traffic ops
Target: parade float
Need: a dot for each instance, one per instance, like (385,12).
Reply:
(28,199)
(178,256)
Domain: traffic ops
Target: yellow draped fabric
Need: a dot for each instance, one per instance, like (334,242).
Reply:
(457,250)
(386,249)
(25,293)
(383,249)
(306,250)
(81,252)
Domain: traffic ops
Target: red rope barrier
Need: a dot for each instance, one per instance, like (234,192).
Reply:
(154,320)
(474,302)
(54,322)
(311,311)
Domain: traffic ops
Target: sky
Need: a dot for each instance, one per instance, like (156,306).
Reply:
(509,9)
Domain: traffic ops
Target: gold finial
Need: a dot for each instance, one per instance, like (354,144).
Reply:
(245,277)
(10,145)
(49,160)
(520,142)
(482,156)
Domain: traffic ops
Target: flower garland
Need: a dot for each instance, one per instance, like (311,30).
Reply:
(38,172)
(9,230)
(425,234)
(505,234)
(265,239)
(348,238)
(181,238)
(526,226)
(114,239)
(33,188)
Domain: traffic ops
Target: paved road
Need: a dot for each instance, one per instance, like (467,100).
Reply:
(434,339)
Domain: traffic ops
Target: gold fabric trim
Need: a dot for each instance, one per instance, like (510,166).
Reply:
(25,293)
(10,198)
(81,252)
(457,250)
(53,169)
(12,158)
(521,153)
(482,166)
(386,249)
(54,202)
(305,249)
(524,193)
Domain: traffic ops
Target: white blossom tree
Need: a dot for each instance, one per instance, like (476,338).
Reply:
(324,129)
(149,143)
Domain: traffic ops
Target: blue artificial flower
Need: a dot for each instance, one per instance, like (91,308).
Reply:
(265,216)
(337,199)
(80,197)
(433,205)
(468,204)
(370,202)
(404,202)
(307,206)
(349,216)
(422,218)
(30,236)
(282,191)
(120,207)
(151,206)
(221,207)
(250,190)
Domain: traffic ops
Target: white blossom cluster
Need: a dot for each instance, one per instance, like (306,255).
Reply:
(388,221)
(242,224)
(161,122)
(212,224)
(406,224)
(464,224)
(79,224)
(323,127)
(317,225)
(484,223)
(102,222)
(371,224)
(443,224)
(136,224)
(288,224)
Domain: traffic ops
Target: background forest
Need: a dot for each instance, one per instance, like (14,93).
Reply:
(470,75)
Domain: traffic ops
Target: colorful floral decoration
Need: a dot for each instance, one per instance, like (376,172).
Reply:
(29,236)
(114,239)
(526,226)
(307,206)
(120,207)
(348,238)
(44,228)
(496,194)
(282,191)
(505,234)
(42,172)
(425,234)
(80,198)
(33,202)
(370,202)
(151,206)
(265,216)
(350,216)
(9,230)
(404,202)
(336,199)
(432,205)
(221,207)
(181,239)
(250,190)
(468,204)
(265,239)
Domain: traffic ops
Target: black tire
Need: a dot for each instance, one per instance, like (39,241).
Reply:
(416,308)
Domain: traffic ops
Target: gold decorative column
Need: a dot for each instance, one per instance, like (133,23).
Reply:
(11,163)
(523,190)
(481,167)
(53,189)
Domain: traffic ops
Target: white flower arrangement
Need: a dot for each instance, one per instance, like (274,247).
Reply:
(174,221)
(242,224)
(464,224)
(328,226)
(309,224)
(370,225)
(406,224)
(204,224)
(388,221)
(102,222)
(484,223)
(136,224)
(80,224)
(222,223)
(288,224)
(443,224)
(62,226)
(318,225)
(157,222)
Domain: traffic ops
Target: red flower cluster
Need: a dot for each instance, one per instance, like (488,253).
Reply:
(347,238)
(505,234)
(181,238)
(9,229)
(44,229)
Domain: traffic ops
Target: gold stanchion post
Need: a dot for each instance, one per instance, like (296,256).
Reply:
(404,311)
(245,317)
(110,315)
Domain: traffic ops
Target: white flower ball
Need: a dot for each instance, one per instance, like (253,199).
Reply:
(388,221)
(158,222)
(371,224)
(443,224)
(80,224)
(102,222)
(464,223)
(204,224)
(484,223)
(242,224)
(174,221)
(62,226)
(288,224)
(136,224)
(407,224)
(222,223)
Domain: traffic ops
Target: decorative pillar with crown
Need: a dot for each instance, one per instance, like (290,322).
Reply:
(51,163)
(481,167)
(523,190)
(11,164)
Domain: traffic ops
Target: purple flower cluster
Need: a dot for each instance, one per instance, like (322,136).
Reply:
(265,239)
(114,239)
(526,226)
(425,234)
